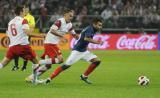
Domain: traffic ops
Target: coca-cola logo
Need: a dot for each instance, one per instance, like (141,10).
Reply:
(145,42)
(103,38)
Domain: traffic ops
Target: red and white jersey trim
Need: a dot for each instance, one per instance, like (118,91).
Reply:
(61,27)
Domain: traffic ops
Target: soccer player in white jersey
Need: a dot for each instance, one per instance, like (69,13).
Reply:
(31,22)
(18,32)
(80,51)
(55,34)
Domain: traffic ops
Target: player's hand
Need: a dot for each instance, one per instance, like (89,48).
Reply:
(101,42)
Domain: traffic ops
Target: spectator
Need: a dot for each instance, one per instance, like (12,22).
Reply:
(106,13)
(114,12)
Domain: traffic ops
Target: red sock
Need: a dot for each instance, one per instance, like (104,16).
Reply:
(90,69)
(56,72)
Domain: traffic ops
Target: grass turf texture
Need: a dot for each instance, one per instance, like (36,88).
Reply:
(116,77)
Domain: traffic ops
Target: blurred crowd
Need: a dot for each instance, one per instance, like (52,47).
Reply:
(116,13)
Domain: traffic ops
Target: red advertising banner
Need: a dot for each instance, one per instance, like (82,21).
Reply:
(111,42)
(124,42)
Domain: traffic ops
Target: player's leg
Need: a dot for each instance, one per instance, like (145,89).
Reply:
(39,71)
(42,69)
(74,57)
(54,58)
(4,62)
(24,67)
(15,67)
(47,66)
(52,55)
(94,63)
(35,65)
(25,62)
(9,56)
(26,52)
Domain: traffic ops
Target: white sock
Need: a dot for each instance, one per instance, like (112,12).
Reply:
(45,61)
(48,61)
(31,76)
(1,66)
(34,66)
(41,70)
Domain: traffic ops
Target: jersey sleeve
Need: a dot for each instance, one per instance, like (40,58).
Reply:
(56,25)
(31,22)
(25,24)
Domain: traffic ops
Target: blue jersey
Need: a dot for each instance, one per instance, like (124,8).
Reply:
(81,44)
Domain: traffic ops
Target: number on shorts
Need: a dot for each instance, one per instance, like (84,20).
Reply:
(13,29)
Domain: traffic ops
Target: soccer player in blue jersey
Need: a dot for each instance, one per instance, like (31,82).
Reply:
(80,52)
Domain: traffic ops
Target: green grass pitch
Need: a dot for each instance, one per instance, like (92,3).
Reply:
(116,77)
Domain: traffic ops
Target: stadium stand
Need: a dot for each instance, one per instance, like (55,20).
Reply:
(117,14)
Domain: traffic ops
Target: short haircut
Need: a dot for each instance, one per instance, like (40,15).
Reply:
(18,10)
(67,10)
(96,20)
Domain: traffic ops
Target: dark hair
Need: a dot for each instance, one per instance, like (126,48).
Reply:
(67,10)
(95,20)
(18,10)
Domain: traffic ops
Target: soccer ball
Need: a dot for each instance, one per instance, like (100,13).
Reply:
(143,80)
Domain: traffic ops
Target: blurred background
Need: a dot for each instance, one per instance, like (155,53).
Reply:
(120,16)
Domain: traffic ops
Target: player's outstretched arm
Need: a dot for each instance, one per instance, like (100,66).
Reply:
(28,32)
(93,41)
(54,32)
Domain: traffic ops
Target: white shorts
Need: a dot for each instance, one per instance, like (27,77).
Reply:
(76,56)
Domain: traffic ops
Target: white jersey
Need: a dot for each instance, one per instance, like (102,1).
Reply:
(62,27)
(15,31)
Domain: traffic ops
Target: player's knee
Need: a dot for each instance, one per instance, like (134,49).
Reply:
(61,60)
(57,60)
(97,62)
(65,66)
